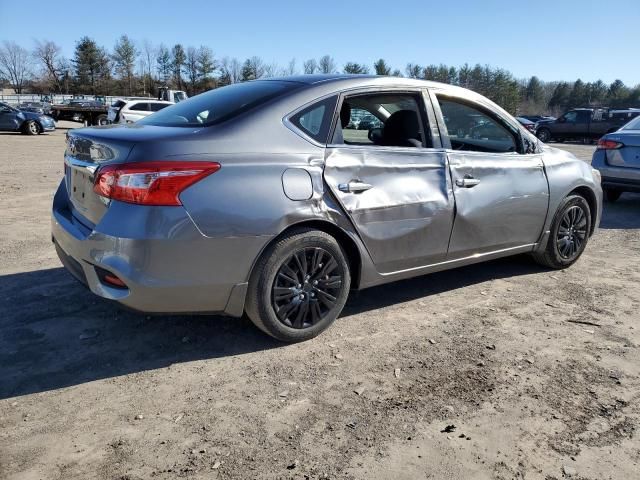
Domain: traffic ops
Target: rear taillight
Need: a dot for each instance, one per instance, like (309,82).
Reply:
(150,183)
(604,144)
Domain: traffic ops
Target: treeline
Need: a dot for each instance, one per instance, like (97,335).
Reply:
(139,68)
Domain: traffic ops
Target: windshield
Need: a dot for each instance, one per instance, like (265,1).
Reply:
(632,125)
(216,106)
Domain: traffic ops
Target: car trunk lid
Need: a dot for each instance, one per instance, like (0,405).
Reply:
(629,154)
(90,148)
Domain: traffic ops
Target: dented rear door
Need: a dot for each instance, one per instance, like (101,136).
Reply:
(404,214)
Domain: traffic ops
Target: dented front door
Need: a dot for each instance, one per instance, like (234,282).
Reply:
(400,200)
(501,201)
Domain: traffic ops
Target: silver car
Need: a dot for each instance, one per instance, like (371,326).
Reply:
(255,198)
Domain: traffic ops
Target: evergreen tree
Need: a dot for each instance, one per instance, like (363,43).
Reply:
(178,59)
(252,69)
(91,65)
(124,59)
(164,64)
(381,67)
(356,68)
(534,92)
(206,66)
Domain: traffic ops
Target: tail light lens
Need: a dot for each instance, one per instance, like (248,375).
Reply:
(150,183)
(604,144)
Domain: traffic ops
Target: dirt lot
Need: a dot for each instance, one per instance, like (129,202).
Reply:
(482,372)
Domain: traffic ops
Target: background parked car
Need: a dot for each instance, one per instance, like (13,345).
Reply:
(617,157)
(528,124)
(29,123)
(123,111)
(35,107)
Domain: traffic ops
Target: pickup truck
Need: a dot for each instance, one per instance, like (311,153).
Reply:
(584,124)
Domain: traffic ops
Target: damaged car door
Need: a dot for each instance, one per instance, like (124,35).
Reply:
(501,192)
(392,179)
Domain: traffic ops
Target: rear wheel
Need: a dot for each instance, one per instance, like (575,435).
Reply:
(101,120)
(299,286)
(569,234)
(31,127)
(544,135)
(611,194)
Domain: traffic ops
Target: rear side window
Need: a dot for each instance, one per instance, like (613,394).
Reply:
(315,121)
(221,104)
(470,128)
(140,107)
(156,107)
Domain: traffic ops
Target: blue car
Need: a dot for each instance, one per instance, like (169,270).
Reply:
(29,123)
(617,157)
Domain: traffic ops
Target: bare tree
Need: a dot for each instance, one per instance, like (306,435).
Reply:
(49,56)
(291,68)
(230,71)
(273,70)
(191,69)
(310,66)
(327,64)
(15,65)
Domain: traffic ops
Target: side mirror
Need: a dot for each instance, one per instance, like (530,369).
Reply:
(561,120)
(375,135)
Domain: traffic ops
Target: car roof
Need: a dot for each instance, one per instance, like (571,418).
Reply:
(360,80)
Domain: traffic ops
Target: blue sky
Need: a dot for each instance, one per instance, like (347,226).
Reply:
(556,40)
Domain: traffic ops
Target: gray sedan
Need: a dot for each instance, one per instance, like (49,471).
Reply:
(256,198)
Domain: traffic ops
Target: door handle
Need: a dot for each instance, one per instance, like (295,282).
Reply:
(467,182)
(354,186)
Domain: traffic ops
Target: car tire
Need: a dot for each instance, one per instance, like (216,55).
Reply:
(612,195)
(101,120)
(569,234)
(31,127)
(544,135)
(295,299)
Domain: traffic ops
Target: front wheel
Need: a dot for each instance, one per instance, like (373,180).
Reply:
(299,286)
(544,135)
(569,234)
(30,128)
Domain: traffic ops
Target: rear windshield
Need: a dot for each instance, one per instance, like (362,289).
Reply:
(220,104)
(632,125)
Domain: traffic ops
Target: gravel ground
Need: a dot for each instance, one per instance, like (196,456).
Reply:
(502,370)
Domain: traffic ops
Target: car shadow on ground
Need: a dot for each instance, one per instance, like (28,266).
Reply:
(54,333)
(623,214)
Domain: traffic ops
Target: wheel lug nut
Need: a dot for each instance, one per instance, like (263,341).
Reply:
(313,295)
(315,282)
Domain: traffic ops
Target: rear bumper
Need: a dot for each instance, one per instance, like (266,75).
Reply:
(622,178)
(167,265)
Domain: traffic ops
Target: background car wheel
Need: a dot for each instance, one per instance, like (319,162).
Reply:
(612,195)
(299,286)
(31,128)
(544,135)
(569,234)
(101,120)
